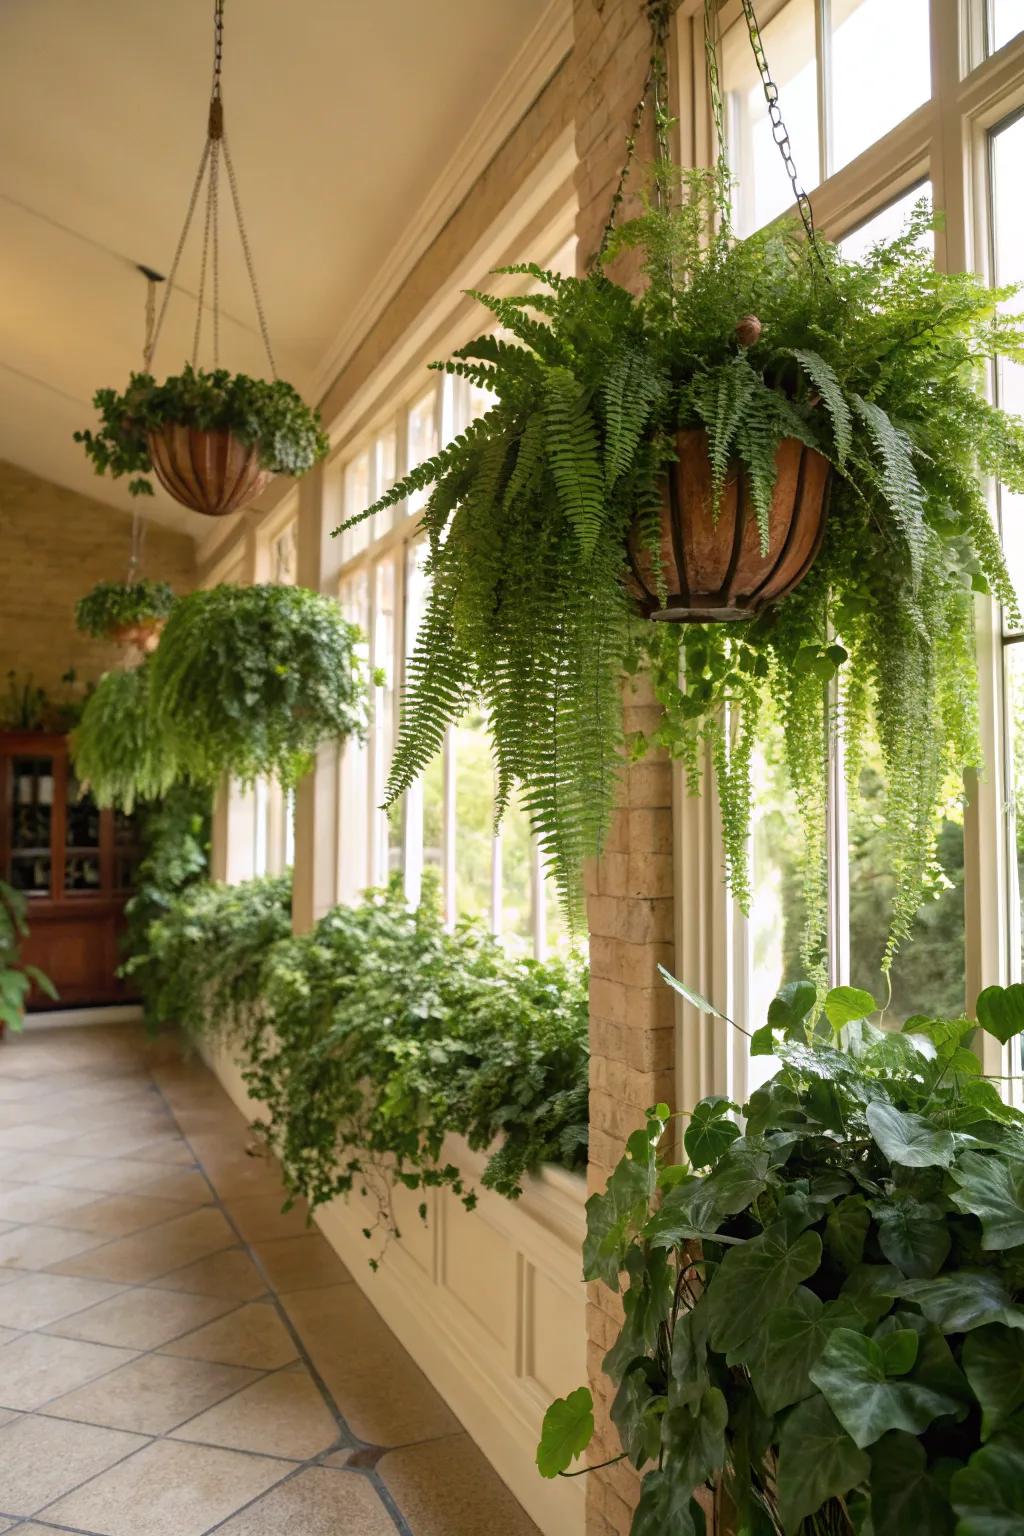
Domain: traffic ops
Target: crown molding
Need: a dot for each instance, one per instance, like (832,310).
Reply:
(542,51)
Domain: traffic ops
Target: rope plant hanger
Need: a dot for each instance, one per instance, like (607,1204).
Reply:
(213,439)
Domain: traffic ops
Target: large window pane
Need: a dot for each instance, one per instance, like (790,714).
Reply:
(880,72)
(386,833)
(421,441)
(474,817)
(1005,20)
(887,224)
(1015,769)
(356,499)
(516,879)
(1008,261)
(385,451)
(353,872)
(764,190)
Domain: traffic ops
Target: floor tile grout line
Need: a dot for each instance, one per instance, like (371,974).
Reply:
(380,1487)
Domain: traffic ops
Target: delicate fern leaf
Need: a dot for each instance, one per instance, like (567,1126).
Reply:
(629,393)
(529,464)
(538,337)
(438,690)
(509,356)
(718,398)
(426,473)
(485,377)
(823,376)
(554,280)
(898,482)
(573,452)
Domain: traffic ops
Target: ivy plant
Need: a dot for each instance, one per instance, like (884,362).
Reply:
(373,1037)
(118,753)
(271,416)
(16,977)
(823,1321)
(114,605)
(878,364)
(251,680)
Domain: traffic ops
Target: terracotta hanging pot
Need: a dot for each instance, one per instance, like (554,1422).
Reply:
(144,633)
(713,567)
(212,472)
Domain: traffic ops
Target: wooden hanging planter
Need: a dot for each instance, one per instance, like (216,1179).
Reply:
(212,472)
(713,566)
(144,634)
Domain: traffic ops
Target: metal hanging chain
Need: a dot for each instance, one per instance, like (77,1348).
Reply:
(654,88)
(209,162)
(779,131)
(138,523)
(723,174)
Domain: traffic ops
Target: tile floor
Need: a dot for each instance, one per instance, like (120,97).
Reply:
(176,1356)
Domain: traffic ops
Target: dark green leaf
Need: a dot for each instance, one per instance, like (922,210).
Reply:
(905,1499)
(846,1229)
(991,1188)
(566,1432)
(909,1139)
(846,1005)
(993,1361)
(788,1011)
(817,1461)
(694,1439)
(912,1234)
(988,1494)
(710,1131)
(613,1217)
(1001,1011)
(666,1504)
(789,1341)
(866,1399)
(754,1279)
(636,1413)
(963,1299)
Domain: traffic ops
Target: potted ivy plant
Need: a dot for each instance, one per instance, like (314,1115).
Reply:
(127,612)
(212,438)
(750,377)
(249,681)
(823,1330)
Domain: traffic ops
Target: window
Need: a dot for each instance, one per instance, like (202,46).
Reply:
(273,808)
(444,829)
(854,79)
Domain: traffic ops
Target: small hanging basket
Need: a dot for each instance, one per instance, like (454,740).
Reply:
(713,566)
(210,471)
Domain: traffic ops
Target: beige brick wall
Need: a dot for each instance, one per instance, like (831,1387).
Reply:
(630,889)
(54,546)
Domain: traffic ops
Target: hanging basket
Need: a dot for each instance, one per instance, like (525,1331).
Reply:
(144,635)
(712,566)
(212,472)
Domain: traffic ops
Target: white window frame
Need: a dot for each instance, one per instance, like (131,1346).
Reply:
(945,140)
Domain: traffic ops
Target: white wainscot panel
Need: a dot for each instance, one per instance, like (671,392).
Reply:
(490,1304)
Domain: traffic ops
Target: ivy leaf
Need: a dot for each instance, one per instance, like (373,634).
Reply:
(909,1139)
(613,1217)
(566,1432)
(846,1230)
(992,1188)
(963,1299)
(847,1005)
(694,1441)
(689,1379)
(993,1361)
(780,1354)
(934,1367)
(754,1279)
(817,1461)
(854,1376)
(912,1234)
(905,1498)
(789,1009)
(710,1131)
(636,1413)
(740,1175)
(988,1494)
(666,1504)
(1001,1011)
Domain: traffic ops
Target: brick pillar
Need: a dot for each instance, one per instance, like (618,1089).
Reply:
(630,889)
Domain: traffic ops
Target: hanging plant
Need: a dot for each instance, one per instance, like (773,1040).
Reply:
(249,681)
(757,369)
(16,977)
(117,752)
(213,439)
(128,612)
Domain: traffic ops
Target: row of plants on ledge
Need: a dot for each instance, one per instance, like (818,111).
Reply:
(745,369)
(824,1329)
(246,681)
(376,1035)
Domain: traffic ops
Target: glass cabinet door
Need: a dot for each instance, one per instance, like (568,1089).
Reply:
(82,862)
(31,821)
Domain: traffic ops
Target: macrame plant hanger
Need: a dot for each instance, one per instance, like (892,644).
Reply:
(135,557)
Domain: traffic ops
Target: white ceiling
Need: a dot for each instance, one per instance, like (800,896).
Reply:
(342,117)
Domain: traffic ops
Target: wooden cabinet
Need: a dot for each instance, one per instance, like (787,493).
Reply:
(74,864)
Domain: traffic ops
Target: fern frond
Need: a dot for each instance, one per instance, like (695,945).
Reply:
(554,280)
(538,337)
(823,376)
(574,454)
(631,389)
(718,398)
(426,473)
(898,482)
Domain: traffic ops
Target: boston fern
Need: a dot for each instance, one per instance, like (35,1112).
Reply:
(823,1324)
(877,364)
(251,680)
(117,753)
(270,415)
(114,605)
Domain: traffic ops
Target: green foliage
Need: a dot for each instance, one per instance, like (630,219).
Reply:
(25,706)
(270,415)
(118,752)
(826,1304)
(250,680)
(376,1035)
(16,978)
(877,364)
(113,605)
(175,836)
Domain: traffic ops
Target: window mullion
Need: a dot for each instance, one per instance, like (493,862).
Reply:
(823,53)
